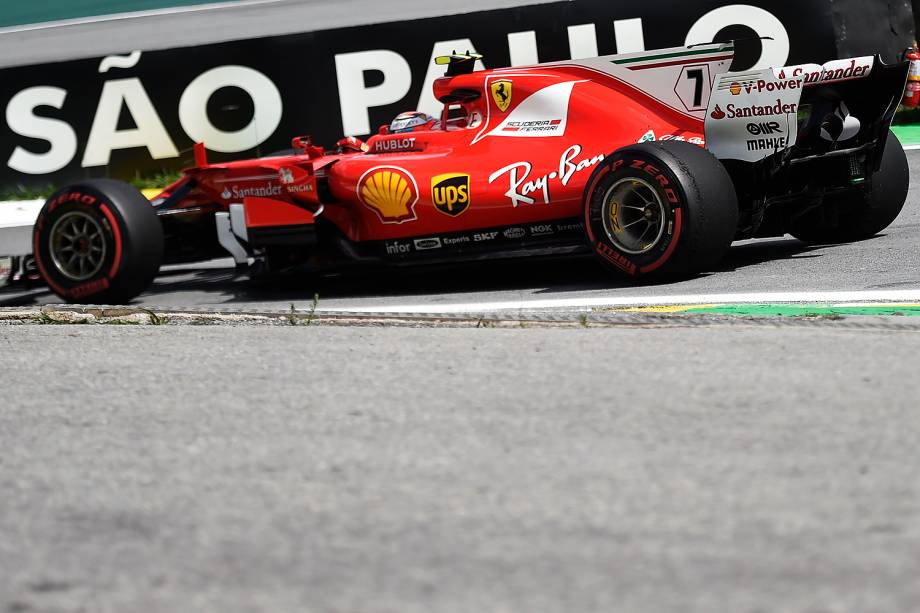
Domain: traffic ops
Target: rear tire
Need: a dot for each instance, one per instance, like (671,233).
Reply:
(861,215)
(99,242)
(660,209)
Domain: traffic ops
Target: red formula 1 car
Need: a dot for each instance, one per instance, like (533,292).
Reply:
(654,161)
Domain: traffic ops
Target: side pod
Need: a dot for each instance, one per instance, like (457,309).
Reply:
(271,222)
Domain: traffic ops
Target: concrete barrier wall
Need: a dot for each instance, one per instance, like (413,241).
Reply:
(140,113)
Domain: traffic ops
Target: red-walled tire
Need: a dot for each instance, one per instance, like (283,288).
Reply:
(660,209)
(98,242)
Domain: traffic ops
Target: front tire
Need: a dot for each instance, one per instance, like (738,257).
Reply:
(660,209)
(99,241)
(864,214)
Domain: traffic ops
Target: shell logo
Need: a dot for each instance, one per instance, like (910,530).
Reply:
(735,88)
(391,192)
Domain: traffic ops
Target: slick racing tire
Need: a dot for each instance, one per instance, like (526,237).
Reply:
(660,209)
(98,242)
(861,215)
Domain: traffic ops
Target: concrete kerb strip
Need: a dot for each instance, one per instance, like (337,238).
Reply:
(101,315)
(63,315)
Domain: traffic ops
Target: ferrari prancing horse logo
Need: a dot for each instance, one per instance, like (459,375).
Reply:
(501,93)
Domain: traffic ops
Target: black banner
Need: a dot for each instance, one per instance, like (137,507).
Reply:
(141,113)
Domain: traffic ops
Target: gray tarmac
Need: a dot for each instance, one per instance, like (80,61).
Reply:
(702,468)
(692,467)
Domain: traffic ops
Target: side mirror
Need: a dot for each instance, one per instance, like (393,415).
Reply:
(302,143)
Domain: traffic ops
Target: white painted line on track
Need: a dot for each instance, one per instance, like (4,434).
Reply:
(201,8)
(850,297)
(911,147)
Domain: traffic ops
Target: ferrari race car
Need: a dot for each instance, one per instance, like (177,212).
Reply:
(655,161)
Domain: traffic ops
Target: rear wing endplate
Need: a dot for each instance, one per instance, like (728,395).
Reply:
(840,105)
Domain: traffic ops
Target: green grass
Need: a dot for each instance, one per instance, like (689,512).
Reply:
(296,319)
(42,192)
(23,192)
(156,181)
(156,320)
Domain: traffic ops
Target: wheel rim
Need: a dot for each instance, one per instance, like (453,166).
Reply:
(77,245)
(634,216)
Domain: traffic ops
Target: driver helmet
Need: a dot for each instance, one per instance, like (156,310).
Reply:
(408,122)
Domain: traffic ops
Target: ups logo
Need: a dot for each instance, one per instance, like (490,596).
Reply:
(451,193)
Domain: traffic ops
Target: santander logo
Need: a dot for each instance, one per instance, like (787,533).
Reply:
(718,113)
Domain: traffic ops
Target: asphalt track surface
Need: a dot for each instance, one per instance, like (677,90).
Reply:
(266,468)
(888,262)
(242,19)
(691,465)
(744,467)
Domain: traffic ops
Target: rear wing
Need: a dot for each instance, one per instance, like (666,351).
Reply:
(806,111)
